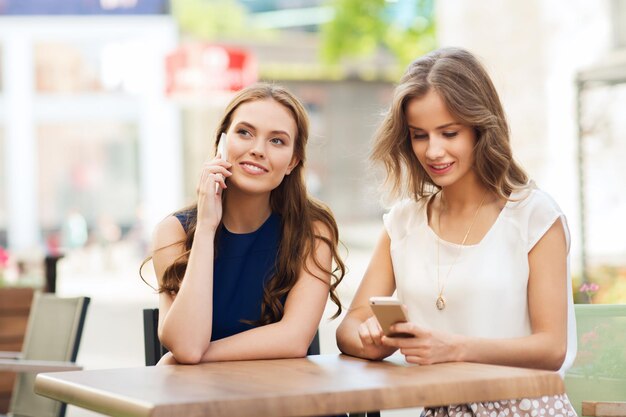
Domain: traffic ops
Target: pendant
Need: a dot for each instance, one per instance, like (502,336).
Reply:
(441,303)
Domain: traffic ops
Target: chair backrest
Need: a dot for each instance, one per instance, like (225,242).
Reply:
(154,349)
(599,371)
(14,310)
(53,333)
(152,346)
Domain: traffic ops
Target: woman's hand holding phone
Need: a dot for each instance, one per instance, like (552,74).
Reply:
(418,344)
(427,346)
(389,311)
(212,181)
(371,335)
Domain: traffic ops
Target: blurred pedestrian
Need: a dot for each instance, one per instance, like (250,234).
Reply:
(74,232)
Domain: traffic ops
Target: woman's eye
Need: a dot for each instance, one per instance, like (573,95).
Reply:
(277,141)
(419,136)
(244,132)
(450,134)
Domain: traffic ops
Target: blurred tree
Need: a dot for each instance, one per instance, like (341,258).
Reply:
(206,19)
(404,27)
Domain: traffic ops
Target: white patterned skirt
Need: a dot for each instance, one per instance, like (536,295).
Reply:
(546,406)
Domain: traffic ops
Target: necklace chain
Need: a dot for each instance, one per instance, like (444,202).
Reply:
(441,302)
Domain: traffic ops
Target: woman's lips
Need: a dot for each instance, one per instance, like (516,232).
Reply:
(252,168)
(440,169)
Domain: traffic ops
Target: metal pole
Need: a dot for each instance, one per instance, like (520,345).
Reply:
(50,263)
(580,85)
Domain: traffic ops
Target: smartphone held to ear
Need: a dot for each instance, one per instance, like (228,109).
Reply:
(388,311)
(222,150)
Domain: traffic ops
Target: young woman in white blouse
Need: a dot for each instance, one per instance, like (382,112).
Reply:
(478,254)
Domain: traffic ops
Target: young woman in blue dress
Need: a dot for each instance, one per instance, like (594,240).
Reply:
(245,272)
(475,251)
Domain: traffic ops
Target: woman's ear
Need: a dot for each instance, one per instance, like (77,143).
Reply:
(294,163)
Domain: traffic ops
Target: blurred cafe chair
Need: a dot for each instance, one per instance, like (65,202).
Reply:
(51,342)
(14,310)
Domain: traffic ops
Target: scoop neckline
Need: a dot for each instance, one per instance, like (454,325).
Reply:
(272,214)
(484,238)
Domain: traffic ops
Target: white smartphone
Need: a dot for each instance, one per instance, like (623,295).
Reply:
(222,149)
(388,311)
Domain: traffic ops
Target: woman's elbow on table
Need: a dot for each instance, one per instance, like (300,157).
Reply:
(183,351)
(295,344)
(187,356)
(296,349)
(555,358)
(297,352)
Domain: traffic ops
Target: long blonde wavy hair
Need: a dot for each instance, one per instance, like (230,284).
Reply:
(298,212)
(470,96)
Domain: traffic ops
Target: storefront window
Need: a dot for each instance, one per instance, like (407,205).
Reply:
(88,174)
(91,67)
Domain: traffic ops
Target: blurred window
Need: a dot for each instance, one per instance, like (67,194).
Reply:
(619,26)
(66,68)
(89,169)
(605,174)
(1,69)
(109,66)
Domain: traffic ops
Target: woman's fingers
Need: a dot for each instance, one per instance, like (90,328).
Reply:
(418,360)
(210,184)
(365,335)
(375,330)
(217,169)
(370,332)
(220,183)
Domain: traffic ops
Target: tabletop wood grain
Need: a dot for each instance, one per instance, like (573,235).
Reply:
(315,385)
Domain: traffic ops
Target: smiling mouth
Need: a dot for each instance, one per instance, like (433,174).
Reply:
(441,166)
(253,168)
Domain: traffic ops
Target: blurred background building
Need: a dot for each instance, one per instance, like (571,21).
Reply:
(108,107)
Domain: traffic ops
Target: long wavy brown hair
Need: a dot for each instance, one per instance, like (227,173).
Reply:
(298,211)
(470,96)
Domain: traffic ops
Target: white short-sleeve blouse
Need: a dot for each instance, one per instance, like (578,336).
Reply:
(486,289)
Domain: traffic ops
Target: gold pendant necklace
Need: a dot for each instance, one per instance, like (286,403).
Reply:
(441,302)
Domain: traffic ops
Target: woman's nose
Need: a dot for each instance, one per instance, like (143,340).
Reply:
(435,148)
(258,148)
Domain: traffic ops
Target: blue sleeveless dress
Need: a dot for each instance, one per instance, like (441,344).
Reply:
(243,264)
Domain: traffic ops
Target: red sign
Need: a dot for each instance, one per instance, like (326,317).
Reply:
(199,68)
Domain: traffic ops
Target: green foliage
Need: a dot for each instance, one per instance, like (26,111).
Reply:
(206,19)
(360,27)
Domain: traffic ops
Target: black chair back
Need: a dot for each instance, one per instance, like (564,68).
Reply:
(154,350)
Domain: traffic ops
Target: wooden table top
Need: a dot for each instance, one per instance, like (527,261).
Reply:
(315,385)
